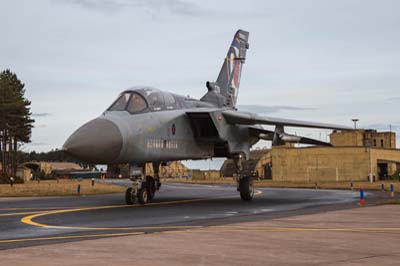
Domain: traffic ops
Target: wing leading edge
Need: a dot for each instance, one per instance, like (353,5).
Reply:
(280,138)
(244,118)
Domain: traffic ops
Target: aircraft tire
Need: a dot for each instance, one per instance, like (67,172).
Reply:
(143,196)
(129,197)
(246,189)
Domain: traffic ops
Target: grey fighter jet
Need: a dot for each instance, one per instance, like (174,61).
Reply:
(146,125)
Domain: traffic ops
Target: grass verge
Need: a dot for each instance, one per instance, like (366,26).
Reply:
(54,188)
(275,184)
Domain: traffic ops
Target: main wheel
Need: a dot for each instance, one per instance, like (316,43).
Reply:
(143,196)
(129,196)
(246,188)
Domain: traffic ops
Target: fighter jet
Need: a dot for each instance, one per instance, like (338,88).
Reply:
(147,125)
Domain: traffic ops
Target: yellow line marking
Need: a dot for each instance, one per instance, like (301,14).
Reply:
(68,237)
(17,213)
(38,208)
(244,230)
(29,219)
(178,229)
(306,228)
(274,229)
(292,229)
(248,230)
(257,192)
(121,228)
(281,230)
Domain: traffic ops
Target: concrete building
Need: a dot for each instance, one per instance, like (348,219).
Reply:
(24,173)
(197,174)
(364,138)
(309,164)
(354,155)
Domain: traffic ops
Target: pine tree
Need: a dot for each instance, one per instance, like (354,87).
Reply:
(15,120)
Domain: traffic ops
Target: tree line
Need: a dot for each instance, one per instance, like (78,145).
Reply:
(15,122)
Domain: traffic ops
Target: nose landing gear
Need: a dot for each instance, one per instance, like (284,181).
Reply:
(130,196)
(246,188)
(143,189)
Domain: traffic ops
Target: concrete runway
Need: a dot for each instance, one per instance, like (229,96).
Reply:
(36,221)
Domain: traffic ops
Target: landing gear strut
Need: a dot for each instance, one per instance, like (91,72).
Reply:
(244,182)
(151,187)
(143,188)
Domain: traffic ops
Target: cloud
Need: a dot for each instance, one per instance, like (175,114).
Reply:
(38,144)
(271,109)
(82,52)
(393,99)
(40,114)
(152,7)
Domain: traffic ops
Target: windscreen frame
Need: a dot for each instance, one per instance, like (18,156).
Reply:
(131,93)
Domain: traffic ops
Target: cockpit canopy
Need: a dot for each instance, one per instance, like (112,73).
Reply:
(144,99)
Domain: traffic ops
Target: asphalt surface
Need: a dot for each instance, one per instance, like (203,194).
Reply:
(36,221)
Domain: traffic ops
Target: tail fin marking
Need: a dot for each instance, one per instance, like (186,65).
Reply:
(229,77)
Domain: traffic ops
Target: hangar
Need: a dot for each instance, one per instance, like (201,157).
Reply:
(353,156)
(28,170)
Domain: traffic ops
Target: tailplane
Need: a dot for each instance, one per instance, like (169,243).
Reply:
(227,83)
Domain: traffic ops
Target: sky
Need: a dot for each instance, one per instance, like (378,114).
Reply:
(318,60)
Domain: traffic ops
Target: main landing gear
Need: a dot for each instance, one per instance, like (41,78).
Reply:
(143,188)
(244,181)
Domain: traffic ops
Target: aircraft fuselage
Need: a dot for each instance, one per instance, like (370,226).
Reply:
(157,136)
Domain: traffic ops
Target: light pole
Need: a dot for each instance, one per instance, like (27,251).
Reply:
(355,120)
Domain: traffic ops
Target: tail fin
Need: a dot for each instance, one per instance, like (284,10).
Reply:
(229,77)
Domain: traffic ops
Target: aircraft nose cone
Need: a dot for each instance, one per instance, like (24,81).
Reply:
(98,141)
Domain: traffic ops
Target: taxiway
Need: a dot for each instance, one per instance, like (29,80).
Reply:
(47,220)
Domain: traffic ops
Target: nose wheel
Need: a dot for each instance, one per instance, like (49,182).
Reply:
(246,188)
(143,191)
(130,196)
